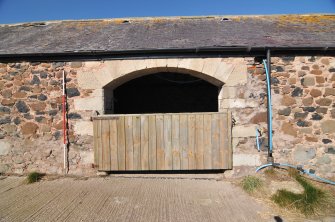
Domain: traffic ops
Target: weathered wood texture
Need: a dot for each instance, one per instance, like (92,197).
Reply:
(187,141)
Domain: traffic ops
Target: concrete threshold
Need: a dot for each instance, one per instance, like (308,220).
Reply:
(217,176)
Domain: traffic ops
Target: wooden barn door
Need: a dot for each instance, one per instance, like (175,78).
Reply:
(178,141)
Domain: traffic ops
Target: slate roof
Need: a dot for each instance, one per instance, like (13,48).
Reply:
(168,33)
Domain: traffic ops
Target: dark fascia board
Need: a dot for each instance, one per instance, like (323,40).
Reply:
(201,52)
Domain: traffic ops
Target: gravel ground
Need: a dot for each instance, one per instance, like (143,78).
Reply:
(127,199)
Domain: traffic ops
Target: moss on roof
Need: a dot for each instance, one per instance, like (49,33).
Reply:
(168,32)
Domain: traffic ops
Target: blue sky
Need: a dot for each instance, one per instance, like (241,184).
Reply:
(14,11)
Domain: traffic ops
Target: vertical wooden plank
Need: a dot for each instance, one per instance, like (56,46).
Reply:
(176,154)
(199,141)
(121,143)
(101,150)
(106,158)
(167,142)
(229,136)
(129,143)
(96,144)
(113,143)
(215,142)
(152,143)
(207,141)
(137,142)
(191,142)
(223,140)
(144,143)
(160,142)
(183,139)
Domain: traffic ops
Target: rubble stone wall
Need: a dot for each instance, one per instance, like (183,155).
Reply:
(303,90)
(31,137)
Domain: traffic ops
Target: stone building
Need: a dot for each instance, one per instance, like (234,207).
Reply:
(168,65)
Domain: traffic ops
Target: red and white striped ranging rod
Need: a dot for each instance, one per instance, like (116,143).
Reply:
(64,124)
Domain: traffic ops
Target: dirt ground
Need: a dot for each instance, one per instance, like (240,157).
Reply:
(129,199)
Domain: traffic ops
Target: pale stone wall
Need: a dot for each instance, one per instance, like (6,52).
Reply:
(303,103)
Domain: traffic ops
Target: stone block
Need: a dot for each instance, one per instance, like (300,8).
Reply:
(332,113)
(4,109)
(76,64)
(325,61)
(92,64)
(127,66)
(90,103)
(72,92)
(228,92)
(244,130)
(5,120)
(307,101)
(223,71)
(239,76)
(235,142)
(259,118)
(324,160)
(29,128)
(302,155)
(8,102)
(4,168)
(328,126)
(211,65)
(301,73)
(297,92)
(289,129)
(320,79)
(324,102)
(19,94)
(288,100)
(316,72)
(308,81)
(4,147)
(160,63)
(237,103)
(97,93)
(172,62)
(315,93)
(330,150)
(38,106)
(86,157)
(44,128)
(140,64)
(74,116)
(87,80)
(285,111)
(83,128)
(329,92)
(246,159)
(184,63)
(9,128)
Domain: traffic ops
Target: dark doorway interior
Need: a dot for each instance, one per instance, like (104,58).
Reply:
(165,93)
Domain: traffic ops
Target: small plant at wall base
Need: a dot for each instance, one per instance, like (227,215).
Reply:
(251,183)
(34,177)
(309,202)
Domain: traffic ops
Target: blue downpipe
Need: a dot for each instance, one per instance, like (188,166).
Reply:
(269,106)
